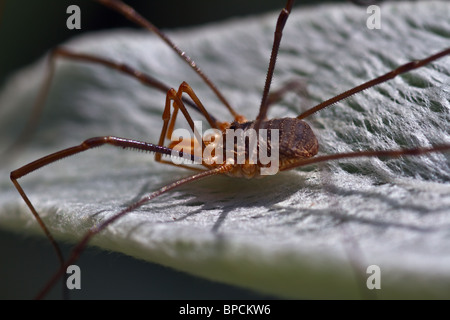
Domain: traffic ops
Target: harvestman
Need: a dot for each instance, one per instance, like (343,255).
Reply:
(297,143)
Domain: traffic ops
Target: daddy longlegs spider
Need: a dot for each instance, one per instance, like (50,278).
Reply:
(174,100)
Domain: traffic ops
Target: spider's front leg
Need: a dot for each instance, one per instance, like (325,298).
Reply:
(86,145)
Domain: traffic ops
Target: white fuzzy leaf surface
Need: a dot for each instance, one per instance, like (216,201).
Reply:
(307,233)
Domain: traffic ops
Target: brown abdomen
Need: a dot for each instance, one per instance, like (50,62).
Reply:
(296,138)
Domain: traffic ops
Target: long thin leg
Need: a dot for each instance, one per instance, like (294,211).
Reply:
(60,52)
(135,17)
(186,88)
(124,68)
(88,144)
(363,154)
(298,86)
(38,106)
(98,228)
(281,22)
(388,76)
